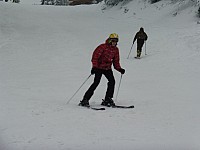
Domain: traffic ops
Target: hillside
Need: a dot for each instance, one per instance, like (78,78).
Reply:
(45,55)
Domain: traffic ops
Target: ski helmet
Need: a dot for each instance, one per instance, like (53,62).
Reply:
(114,36)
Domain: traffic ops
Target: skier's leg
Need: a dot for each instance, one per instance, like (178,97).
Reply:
(94,85)
(110,88)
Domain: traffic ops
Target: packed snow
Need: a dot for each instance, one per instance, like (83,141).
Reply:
(45,56)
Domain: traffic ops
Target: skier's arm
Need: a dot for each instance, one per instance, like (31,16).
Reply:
(135,38)
(116,60)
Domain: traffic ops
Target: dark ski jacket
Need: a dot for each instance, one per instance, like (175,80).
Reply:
(105,55)
(140,36)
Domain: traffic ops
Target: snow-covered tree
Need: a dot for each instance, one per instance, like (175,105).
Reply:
(61,2)
(54,2)
(47,2)
(115,2)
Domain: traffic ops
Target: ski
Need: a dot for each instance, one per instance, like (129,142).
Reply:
(94,108)
(103,108)
(118,106)
(121,106)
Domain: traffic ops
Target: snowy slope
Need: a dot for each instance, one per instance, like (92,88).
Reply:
(45,54)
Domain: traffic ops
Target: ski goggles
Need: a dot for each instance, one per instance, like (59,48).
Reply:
(114,40)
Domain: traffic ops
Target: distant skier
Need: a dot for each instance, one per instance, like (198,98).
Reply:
(141,36)
(102,59)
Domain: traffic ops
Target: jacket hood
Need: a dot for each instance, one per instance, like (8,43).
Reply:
(107,41)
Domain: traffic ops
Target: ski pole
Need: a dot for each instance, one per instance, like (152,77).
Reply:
(145,49)
(118,87)
(130,51)
(79,88)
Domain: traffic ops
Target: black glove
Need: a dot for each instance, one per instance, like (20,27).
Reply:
(93,70)
(122,71)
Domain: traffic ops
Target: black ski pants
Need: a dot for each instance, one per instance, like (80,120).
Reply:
(140,43)
(110,86)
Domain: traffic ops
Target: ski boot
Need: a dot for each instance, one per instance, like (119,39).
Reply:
(84,103)
(108,102)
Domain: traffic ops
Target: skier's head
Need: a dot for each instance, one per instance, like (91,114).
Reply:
(142,29)
(113,39)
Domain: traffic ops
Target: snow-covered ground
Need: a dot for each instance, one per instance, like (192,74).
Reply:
(45,54)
